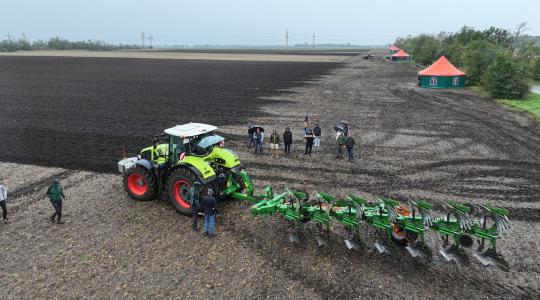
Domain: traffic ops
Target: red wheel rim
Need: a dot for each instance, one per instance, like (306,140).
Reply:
(137,184)
(181,193)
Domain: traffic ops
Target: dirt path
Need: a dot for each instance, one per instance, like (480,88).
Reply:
(437,145)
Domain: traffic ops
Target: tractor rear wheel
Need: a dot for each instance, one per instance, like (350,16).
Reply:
(139,183)
(178,185)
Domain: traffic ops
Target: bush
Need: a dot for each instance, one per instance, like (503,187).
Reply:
(536,69)
(476,58)
(424,48)
(506,77)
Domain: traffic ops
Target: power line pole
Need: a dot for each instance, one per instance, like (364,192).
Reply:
(313,44)
(142,38)
(286,38)
(150,40)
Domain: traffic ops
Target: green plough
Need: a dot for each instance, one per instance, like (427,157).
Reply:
(403,224)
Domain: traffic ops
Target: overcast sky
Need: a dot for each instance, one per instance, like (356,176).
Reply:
(257,22)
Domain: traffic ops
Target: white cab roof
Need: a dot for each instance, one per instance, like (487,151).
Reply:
(190,129)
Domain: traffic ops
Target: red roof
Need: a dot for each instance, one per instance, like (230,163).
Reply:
(401,53)
(394,48)
(442,67)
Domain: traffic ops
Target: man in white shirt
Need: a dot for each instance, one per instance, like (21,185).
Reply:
(3,198)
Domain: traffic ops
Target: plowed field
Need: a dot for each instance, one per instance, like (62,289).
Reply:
(437,145)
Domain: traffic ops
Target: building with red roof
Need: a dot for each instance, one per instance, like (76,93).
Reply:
(401,55)
(393,49)
(441,74)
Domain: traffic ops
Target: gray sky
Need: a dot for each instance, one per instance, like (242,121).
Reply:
(257,22)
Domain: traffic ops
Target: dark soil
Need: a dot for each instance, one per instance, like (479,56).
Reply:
(412,143)
(79,112)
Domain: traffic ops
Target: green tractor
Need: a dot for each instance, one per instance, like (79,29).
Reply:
(180,156)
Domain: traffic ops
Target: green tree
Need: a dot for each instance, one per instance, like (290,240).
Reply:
(424,48)
(477,56)
(536,69)
(506,77)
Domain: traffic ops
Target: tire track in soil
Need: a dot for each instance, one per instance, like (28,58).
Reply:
(41,185)
(478,117)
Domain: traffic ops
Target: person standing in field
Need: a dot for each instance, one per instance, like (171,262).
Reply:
(306,124)
(210,208)
(349,144)
(274,143)
(251,141)
(55,193)
(340,141)
(195,203)
(258,139)
(3,199)
(317,134)
(287,141)
(309,143)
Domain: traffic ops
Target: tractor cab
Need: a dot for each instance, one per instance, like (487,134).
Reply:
(193,139)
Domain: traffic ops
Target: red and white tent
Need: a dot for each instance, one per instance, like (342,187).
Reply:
(442,67)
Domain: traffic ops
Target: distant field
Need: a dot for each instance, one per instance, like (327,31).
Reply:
(239,55)
(84,109)
(301,51)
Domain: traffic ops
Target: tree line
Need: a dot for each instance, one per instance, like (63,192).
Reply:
(500,61)
(58,43)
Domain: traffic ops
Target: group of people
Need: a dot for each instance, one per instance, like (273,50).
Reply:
(206,205)
(55,193)
(345,140)
(312,137)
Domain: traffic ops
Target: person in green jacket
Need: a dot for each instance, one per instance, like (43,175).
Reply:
(195,203)
(55,193)
(274,143)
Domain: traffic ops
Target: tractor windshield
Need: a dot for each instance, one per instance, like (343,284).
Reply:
(210,140)
(200,145)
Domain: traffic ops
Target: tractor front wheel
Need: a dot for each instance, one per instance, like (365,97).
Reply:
(139,183)
(178,185)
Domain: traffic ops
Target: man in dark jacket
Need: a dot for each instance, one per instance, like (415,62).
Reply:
(195,203)
(210,207)
(3,199)
(309,143)
(258,139)
(340,141)
(317,134)
(55,193)
(349,144)
(251,141)
(287,140)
